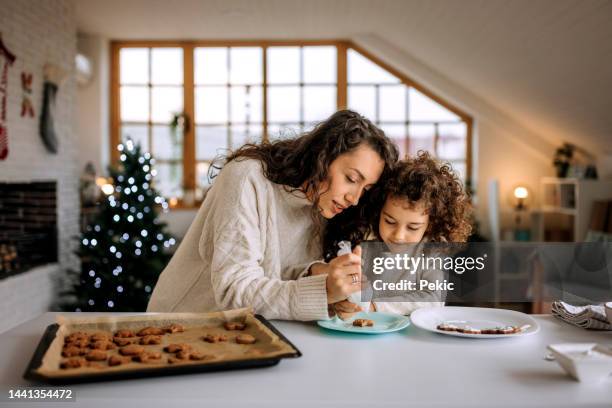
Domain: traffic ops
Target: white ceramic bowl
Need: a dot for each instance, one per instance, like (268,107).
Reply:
(586,362)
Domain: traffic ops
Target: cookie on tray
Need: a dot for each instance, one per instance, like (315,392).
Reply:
(234,326)
(151,331)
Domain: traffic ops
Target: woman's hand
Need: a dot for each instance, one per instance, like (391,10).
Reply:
(343,275)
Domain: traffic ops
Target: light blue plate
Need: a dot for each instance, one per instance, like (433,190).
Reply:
(383,323)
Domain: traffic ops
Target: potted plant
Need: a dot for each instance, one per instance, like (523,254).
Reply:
(563,158)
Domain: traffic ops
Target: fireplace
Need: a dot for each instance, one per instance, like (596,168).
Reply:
(28,226)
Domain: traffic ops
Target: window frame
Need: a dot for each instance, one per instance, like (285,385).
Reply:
(189,142)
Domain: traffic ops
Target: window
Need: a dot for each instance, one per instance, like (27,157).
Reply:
(238,92)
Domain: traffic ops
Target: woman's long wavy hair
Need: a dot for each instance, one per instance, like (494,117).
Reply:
(420,179)
(302,163)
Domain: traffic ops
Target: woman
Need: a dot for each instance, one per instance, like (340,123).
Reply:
(258,231)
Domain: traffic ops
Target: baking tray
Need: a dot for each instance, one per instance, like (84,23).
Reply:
(32,375)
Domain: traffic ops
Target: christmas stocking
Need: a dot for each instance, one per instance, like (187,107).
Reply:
(8,60)
(47,128)
(53,77)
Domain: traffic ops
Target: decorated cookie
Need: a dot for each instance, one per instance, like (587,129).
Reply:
(363,323)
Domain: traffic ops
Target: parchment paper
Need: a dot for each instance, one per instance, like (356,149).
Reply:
(196,326)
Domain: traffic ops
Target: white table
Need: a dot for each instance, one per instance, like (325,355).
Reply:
(408,368)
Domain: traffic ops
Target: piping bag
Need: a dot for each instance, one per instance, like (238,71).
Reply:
(361,297)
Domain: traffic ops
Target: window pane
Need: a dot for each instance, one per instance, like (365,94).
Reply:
(362,70)
(242,134)
(134,65)
(246,65)
(460,169)
(134,104)
(284,104)
(283,65)
(167,144)
(284,131)
(247,104)
(452,141)
(421,138)
(167,66)
(166,102)
(393,103)
(202,176)
(319,102)
(138,134)
(211,104)
(362,99)
(169,179)
(422,107)
(320,65)
(398,134)
(211,141)
(211,65)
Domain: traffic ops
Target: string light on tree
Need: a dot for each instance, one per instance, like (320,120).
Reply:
(119,274)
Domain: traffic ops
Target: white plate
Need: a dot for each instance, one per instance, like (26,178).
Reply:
(428,318)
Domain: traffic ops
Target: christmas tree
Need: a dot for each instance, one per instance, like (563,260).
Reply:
(125,248)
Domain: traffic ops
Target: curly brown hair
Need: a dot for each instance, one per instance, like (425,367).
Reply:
(421,179)
(302,163)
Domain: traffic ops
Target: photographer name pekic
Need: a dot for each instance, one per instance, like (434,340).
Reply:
(422,284)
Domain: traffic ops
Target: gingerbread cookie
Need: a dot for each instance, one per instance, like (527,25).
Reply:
(183,354)
(76,336)
(96,355)
(124,333)
(147,357)
(174,328)
(175,348)
(102,345)
(234,326)
(151,331)
(245,339)
(79,342)
(131,350)
(174,360)
(72,351)
(197,356)
(214,338)
(468,330)
(150,339)
(121,341)
(100,336)
(363,323)
(73,363)
(118,360)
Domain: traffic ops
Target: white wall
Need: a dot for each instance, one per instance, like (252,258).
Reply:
(39,33)
(93,104)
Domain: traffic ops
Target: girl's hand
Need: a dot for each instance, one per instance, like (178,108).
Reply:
(346,310)
(343,275)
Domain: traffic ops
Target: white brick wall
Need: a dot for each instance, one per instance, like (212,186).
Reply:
(40,32)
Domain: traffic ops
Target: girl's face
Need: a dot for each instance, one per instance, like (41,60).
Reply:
(349,175)
(402,222)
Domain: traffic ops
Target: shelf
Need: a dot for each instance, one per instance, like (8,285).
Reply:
(558,210)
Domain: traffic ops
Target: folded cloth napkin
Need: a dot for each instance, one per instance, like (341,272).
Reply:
(587,317)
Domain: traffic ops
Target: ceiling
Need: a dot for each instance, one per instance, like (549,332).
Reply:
(546,63)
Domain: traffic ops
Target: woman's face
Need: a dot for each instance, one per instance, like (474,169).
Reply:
(348,177)
(402,222)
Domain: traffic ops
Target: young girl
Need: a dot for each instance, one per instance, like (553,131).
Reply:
(421,201)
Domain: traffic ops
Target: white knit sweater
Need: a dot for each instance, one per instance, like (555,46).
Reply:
(250,245)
